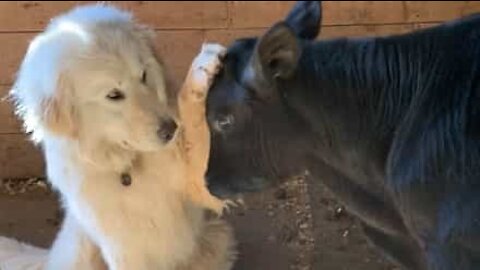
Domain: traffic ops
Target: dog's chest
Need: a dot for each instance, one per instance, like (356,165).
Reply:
(150,215)
(155,181)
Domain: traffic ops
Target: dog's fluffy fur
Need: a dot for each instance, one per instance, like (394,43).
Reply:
(67,93)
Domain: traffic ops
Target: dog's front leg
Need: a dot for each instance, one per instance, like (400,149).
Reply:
(73,249)
(196,135)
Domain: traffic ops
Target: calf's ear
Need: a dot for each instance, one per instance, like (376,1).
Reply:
(277,53)
(305,19)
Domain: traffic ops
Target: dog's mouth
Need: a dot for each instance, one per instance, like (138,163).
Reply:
(147,144)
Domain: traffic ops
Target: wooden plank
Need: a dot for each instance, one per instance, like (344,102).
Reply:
(228,36)
(13,47)
(34,15)
(179,15)
(8,121)
(364,30)
(438,11)
(257,14)
(471,7)
(265,13)
(424,25)
(363,12)
(19,158)
(177,50)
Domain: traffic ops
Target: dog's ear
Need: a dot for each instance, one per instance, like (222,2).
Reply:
(305,19)
(159,75)
(277,53)
(58,111)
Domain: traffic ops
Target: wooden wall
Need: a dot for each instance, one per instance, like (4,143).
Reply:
(182,27)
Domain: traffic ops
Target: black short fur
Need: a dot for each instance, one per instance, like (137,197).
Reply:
(391,125)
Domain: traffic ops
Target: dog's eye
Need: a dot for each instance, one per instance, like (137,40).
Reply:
(116,95)
(224,122)
(144,77)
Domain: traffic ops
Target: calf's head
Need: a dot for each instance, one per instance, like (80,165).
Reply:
(255,135)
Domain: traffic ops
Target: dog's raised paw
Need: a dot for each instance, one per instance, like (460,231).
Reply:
(205,66)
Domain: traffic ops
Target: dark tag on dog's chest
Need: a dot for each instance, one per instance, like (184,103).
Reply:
(126,179)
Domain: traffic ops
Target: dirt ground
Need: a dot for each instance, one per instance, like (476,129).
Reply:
(281,229)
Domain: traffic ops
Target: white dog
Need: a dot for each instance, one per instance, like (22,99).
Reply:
(130,173)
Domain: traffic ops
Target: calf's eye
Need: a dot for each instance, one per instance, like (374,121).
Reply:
(224,122)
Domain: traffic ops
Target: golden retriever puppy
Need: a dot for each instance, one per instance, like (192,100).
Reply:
(128,167)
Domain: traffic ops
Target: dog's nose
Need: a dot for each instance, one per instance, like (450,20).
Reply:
(167,129)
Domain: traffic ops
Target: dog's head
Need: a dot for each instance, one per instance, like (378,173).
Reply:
(92,76)
(253,134)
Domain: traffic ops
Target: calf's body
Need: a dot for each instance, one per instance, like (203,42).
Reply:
(390,125)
